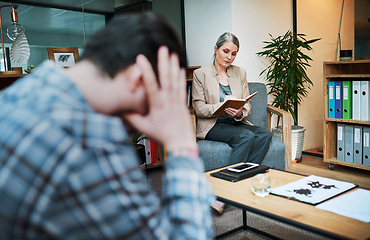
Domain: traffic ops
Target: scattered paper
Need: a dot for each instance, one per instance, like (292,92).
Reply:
(312,189)
(354,204)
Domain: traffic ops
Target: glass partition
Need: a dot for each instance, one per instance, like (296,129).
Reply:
(50,27)
(362,29)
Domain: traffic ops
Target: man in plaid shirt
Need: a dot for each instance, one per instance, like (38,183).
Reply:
(68,169)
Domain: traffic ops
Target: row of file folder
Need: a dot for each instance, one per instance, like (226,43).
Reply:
(349,100)
(353,143)
(154,151)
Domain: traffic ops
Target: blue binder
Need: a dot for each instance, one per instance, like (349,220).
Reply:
(338,99)
(331,100)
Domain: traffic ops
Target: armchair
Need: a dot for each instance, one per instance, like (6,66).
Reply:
(216,154)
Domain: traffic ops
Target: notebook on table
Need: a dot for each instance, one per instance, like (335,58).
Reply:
(234,176)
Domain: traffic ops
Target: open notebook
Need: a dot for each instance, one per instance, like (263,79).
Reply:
(232,103)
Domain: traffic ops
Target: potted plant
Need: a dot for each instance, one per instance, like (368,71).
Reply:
(287,80)
(140,148)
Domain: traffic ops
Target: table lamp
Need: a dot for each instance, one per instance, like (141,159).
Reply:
(12,31)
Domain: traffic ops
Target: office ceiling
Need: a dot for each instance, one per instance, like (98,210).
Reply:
(62,16)
(102,6)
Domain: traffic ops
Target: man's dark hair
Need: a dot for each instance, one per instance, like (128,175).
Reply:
(115,47)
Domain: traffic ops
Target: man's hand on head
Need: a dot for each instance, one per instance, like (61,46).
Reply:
(168,119)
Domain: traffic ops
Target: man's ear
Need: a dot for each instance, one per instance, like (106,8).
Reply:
(133,77)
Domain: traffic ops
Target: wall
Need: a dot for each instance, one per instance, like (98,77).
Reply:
(320,19)
(205,21)
(252,21)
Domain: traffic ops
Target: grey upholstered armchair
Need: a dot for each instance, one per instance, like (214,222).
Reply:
(216,154)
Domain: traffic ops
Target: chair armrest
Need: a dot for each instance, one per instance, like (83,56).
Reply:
(287,132)
(193,120)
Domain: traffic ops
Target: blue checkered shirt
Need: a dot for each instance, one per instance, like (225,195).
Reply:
(67,172)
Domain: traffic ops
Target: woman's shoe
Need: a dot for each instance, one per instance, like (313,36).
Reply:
(218,206)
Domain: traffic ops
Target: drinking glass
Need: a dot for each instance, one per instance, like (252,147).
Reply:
(261,185)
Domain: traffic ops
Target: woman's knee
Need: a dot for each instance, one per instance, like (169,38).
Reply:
(264,132)
(246,133)
(245,136)
(263,136)
(268,134)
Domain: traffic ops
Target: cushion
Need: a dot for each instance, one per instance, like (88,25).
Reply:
(216,154)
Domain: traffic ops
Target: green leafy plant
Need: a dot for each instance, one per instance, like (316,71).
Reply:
(137,137)
(29,69)
(286,74)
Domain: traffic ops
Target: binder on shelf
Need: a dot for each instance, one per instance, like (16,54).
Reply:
(338,99)
(159,151)
(356,91)
(189,94)
(153,151)
(331,99)
(366,146)
(348,143)
(148,156)
(340,141)
(164,153)
(347,99)
(357,144)
(364,101)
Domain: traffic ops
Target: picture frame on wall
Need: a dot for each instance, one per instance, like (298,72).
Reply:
(63,56)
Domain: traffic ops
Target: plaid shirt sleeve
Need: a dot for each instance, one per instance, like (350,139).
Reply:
(189,198)
(107,199)
(52,187)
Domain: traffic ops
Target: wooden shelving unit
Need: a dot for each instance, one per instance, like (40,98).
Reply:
(7,80)
(341,71)
(189,81)
(154,165)
(189,72)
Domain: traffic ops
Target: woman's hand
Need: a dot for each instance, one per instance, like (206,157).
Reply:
(234,112)
(168,120)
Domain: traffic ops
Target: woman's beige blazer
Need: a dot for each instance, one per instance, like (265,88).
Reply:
(206,95)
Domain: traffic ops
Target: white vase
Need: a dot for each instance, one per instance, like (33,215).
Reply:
(297,139)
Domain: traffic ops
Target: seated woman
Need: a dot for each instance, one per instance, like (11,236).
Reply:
(214,84)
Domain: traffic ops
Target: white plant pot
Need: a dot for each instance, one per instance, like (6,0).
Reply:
(297,139)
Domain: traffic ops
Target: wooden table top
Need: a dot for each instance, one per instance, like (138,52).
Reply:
(290,211)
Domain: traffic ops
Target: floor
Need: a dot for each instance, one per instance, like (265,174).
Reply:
(314,165)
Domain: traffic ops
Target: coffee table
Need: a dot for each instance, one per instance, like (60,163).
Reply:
(295,213)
